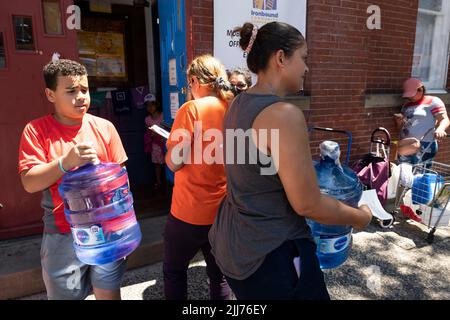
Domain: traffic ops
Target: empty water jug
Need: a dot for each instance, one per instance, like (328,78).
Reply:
(334,241)
(98,205)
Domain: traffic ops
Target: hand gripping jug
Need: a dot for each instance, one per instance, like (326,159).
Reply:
(333,241)
(98,206)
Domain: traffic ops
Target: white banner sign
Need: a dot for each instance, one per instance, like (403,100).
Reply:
(229,14)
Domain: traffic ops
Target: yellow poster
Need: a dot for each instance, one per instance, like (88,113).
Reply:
(99,6)
(86,43)
(103,53)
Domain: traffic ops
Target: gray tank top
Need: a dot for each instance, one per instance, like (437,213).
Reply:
(255,217)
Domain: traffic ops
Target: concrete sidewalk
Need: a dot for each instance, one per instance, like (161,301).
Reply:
(395,263)
(20,268)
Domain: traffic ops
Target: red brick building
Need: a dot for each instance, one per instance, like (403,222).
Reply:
(356,74)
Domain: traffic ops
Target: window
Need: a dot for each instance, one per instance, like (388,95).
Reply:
(431,50)
(52,17)
(435,5)
(2,53)
(23,27)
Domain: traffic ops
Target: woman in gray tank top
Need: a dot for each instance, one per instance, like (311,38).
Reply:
(260,239)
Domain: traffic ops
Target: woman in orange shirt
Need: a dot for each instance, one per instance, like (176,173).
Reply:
(199,184)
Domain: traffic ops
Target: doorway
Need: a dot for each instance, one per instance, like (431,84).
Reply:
(131,72)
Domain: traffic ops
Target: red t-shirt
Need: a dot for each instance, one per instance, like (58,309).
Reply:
(45,140)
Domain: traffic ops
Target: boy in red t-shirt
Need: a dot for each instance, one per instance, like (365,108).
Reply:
(49,147)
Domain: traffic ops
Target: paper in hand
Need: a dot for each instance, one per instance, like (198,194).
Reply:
(163,133)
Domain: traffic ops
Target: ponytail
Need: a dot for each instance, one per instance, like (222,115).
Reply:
(211,72)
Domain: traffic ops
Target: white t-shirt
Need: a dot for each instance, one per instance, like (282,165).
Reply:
(420,117)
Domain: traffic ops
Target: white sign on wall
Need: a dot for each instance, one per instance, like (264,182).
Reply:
(173,72)
(174,104)
(229,14)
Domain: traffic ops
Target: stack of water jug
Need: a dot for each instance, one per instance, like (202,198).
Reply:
(338,181)
(98,206)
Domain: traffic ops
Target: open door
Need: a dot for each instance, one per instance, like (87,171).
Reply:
(172,30)
(30,31)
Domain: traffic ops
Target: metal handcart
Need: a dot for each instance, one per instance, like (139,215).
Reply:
(384,218)
(373,169)
(427,192)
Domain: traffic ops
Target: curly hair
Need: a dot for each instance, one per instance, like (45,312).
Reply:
(62,67)
(241,71)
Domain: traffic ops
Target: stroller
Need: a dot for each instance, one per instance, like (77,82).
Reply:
(374,171)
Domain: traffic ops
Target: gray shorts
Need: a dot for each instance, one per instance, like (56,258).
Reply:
(67,278)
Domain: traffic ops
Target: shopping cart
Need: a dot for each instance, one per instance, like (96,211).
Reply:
(425,189)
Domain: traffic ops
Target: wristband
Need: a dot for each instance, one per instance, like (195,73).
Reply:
(60,166)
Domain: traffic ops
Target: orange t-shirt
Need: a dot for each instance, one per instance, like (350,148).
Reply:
(199,188)
(45,140)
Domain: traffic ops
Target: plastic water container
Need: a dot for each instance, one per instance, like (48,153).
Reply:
(98,205)
(334,241)
(425,186)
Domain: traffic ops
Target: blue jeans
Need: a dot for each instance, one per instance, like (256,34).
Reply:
(277,278)
(421,157)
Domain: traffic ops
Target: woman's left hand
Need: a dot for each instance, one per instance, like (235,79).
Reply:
(439,134)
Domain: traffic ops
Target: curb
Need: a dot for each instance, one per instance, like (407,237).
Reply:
(20,281)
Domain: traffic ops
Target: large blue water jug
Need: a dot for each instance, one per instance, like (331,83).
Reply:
(98,205)
(425,187)
(339,181)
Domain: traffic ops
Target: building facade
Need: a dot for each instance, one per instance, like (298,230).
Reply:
(356,74)
(356,70)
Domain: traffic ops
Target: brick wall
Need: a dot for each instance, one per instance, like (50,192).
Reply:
(346,61)
(391,48)
(338,62)
(200,29)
